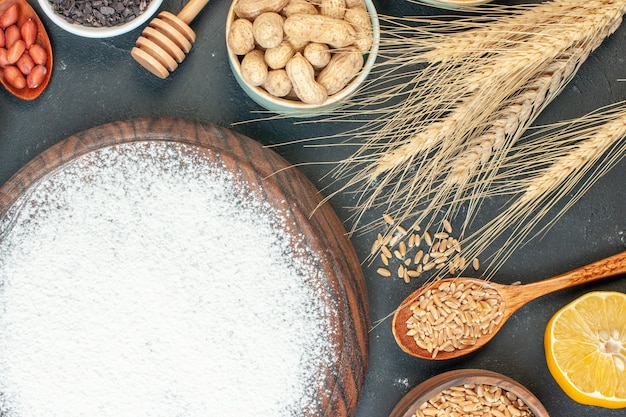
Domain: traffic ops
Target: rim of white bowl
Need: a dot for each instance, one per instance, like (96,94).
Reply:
(99,32)
(456,3)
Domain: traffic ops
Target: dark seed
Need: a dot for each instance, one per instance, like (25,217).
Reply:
(99,13)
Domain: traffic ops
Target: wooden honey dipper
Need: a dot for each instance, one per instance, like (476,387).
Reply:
(167,39)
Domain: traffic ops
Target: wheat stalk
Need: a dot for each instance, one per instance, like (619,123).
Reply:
(504,29)
(573,155)
(481,155)
(496,78)
(408,143)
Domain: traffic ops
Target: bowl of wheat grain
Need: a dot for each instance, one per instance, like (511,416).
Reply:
(475,392)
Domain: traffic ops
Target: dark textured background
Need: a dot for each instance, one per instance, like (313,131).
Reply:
(96,81)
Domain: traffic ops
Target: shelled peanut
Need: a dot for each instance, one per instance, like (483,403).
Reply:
(22,59)
(316,46)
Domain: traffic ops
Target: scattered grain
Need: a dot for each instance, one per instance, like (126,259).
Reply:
(476,264)
(429,266)
(428,239)
(375,246)
(401,271)
(413,273)
(402,248)
(437,251)
(383,272)
(418,256)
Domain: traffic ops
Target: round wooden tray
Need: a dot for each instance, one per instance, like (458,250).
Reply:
(283,187)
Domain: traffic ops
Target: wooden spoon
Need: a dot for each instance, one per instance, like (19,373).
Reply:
(513,297)
(167,39)
(27,12)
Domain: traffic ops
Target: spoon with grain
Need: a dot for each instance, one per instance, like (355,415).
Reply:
(452,317)
(25,50)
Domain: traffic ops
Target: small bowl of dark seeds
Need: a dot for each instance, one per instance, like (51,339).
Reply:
(99,18)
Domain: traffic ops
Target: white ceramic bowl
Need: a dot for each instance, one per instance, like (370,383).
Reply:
(99,32)
(297,108)
(456,3)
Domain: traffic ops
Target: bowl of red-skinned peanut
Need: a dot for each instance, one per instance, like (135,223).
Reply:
(25,50)
(301,58)
(475,392)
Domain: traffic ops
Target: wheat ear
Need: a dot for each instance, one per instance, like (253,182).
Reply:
(437,117)
(505,28)
(482,155)
(488,79)
(580,152)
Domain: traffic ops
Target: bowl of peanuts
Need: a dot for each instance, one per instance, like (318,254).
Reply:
(301,58)
(475,392)
(108,19)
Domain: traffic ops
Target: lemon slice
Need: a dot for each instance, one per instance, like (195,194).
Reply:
(585,346)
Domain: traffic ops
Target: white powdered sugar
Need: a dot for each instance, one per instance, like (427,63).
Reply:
(141,280)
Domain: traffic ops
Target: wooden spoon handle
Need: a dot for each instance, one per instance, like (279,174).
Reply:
(608,267)
(191,10)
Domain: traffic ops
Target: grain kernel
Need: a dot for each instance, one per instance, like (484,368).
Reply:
(402,248)
(429,266)
(428,239)
(475,264)
(418,256)
(383,272)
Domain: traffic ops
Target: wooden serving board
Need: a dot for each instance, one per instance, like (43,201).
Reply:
(280,185)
